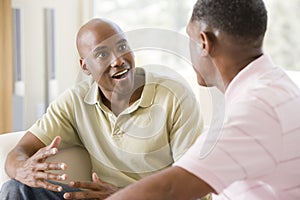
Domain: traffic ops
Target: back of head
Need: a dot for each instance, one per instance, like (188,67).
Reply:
(242,19)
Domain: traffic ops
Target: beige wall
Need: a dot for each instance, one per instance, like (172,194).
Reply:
(5,67)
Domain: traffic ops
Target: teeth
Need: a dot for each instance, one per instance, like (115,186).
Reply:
(121,73)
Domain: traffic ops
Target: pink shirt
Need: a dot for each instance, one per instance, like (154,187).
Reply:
(255,154)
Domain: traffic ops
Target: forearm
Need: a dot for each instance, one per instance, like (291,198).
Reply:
(147,188)
(25,148)
(14,160)
(172,183)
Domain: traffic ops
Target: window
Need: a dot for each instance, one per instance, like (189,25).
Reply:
(133,14)
(282,41)
(17,44)
(156,32)
(19,86)
(50,81)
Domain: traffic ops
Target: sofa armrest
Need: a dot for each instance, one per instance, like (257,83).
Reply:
(77,159)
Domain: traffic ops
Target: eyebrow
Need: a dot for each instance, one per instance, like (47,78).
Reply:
(99,48)
(105,47)
(121,41)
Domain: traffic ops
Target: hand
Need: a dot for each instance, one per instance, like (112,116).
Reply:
(94,190)
(33,171)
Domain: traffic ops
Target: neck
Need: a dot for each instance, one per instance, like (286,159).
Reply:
(231,55)
(117,102)
(235,61)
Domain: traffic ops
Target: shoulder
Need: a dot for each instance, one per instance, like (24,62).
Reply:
(167,80)
(82,87)
(274,88)
(77,91)
(272,95)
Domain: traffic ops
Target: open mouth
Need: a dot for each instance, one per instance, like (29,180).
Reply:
(120,74)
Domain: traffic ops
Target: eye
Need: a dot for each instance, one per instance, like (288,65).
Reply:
(123,47)
(101,54)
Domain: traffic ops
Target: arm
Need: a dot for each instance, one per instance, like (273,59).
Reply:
(26,162)
(172,183)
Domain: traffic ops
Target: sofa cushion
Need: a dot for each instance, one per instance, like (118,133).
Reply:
(76,158)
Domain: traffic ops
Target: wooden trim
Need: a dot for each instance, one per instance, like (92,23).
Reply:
(6,66)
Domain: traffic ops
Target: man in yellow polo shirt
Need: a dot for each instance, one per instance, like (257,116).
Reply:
(132,122)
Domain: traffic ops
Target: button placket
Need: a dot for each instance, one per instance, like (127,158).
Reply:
(117,129)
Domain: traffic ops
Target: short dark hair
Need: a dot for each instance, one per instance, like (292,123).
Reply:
(245,19)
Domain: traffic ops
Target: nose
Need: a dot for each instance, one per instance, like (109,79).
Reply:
(117,61)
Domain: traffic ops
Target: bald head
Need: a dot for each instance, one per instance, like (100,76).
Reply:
(93,32)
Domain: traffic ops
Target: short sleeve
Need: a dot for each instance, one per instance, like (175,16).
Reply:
(247,147)
(187,124)
(58,121)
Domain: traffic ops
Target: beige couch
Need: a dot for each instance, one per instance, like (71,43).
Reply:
(76,158)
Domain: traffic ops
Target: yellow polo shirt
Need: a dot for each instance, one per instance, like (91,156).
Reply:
(146,137)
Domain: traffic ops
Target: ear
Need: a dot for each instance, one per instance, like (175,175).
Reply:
(206,43)
(84,67)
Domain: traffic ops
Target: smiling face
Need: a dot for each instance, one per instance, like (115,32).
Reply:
(106,56)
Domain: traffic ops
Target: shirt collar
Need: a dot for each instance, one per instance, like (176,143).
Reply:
(247,75)
(92,96)
(148,94)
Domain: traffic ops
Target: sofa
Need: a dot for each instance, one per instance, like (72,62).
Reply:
(76,158)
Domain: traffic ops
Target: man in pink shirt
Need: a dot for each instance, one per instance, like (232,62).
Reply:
(254,153)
